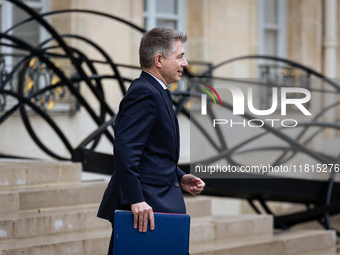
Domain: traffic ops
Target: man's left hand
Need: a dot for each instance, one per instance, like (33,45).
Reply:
(192,184)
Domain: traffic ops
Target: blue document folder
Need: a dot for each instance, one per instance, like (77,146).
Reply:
(170,236)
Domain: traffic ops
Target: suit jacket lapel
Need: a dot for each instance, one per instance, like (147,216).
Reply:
(169,107)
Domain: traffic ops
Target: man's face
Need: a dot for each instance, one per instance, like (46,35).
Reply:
(173,65)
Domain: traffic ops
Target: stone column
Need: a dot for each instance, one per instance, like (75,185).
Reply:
(330,44)
(330,41)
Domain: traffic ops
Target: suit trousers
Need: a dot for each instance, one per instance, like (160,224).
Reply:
(110,252)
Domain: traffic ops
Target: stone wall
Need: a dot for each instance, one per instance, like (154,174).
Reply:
(218,30)
(304,32)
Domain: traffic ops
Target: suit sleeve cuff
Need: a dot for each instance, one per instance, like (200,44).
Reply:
(127,198)
(180,174)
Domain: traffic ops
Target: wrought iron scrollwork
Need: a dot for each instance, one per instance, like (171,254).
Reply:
(38,83)
(284,76)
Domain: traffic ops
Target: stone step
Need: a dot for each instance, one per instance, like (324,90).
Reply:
(37,198)
(62,209)
(93,242)
(41,198)
(21,173)
(239,226)
(84,193)
(96,242)
(307,242)
(198,206)
(51,222)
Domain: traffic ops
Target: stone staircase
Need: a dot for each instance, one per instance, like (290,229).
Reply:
(46,208)
(253,235)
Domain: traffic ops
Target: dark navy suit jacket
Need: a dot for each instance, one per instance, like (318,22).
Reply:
(146,152)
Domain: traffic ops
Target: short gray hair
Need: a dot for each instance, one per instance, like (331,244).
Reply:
(158,40)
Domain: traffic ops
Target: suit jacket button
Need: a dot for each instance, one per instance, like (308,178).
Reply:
(176,184)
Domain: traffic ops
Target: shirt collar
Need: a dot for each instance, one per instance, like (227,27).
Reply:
(159,81)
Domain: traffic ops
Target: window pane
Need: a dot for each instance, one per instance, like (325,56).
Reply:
(270,37)
(0,17)
(271,11)
(0,23)
(166,6)
(28,32)
(35,1)
(167,23)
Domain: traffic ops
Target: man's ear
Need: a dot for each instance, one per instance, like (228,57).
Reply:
(158,60)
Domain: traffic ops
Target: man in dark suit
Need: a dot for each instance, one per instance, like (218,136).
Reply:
(146,150)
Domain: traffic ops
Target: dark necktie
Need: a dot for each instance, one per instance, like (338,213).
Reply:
(169,94)
(175,129)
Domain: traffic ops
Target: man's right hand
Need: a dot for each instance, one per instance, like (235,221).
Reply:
(142,212)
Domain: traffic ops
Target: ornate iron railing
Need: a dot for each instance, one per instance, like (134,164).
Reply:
(22,85)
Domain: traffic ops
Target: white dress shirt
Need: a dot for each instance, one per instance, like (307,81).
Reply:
(160,82)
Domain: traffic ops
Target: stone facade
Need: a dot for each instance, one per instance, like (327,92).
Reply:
(218,30)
